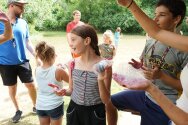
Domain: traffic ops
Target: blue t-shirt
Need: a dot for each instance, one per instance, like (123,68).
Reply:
(13,52)
(117,36)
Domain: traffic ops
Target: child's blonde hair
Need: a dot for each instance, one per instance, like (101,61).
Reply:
(118,29)
(109,34)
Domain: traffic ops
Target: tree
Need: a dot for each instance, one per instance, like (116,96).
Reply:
(102,14)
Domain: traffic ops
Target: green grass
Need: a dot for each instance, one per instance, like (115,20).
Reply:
(53,34)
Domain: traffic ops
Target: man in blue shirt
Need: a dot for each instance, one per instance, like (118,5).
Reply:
(13,59)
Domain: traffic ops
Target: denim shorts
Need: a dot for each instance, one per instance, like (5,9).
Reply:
(53,113)
(151,113)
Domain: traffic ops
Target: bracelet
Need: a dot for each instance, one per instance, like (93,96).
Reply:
(130,4)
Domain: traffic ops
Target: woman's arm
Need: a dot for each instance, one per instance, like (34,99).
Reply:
(178,116)
(8,30)
(173,39)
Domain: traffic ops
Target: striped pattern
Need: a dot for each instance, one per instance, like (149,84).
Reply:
(85,88)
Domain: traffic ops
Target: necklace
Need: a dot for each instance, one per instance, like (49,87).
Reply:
(161,61)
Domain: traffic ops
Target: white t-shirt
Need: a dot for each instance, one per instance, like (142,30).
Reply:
(182,102)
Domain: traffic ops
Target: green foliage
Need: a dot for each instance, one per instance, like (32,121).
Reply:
(50,15)
(3,5)
(185,28)
(101,14)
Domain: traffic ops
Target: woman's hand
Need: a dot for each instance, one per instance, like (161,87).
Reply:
(141,85)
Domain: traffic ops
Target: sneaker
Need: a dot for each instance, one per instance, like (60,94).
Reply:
(34,110)
(17,116)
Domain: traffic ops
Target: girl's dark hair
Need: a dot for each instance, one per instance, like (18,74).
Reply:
(45,52)
(176,7)
(85,31)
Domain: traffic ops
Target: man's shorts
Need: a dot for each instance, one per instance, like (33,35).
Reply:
(151,113)
(9,73)
(54,114)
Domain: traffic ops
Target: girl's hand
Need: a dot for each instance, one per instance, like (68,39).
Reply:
(3,17)
(124,2)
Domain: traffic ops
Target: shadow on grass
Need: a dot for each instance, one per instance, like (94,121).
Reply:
(28,119)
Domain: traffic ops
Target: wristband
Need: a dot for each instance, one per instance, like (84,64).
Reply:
(130,4)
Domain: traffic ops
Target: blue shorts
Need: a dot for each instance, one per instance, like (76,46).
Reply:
(53,114)
(151,113)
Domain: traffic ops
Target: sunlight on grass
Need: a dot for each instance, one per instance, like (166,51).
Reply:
(53,34)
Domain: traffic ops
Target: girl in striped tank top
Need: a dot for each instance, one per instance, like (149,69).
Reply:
(89,91)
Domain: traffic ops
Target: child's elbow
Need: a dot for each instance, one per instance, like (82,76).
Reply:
(105,101)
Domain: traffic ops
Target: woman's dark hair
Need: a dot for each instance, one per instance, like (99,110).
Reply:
(176,7)
(45,52)
(85,31)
